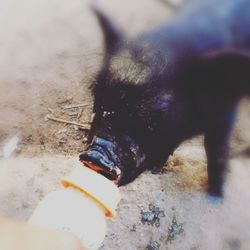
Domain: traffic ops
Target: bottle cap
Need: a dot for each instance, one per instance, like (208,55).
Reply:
(96,186)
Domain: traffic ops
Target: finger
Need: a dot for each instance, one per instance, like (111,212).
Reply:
(21,236)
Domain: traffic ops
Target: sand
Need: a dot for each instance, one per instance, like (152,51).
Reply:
(49,54)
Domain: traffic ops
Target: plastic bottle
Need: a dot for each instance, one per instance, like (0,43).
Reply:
(81,207)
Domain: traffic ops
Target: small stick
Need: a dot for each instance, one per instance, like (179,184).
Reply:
(80,110)
(51,110)
(92,117)
(73,114)
(71,106)
(83,126)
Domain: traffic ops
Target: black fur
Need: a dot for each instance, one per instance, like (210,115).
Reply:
(172,83)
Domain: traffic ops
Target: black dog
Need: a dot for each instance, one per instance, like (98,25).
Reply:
(170,84)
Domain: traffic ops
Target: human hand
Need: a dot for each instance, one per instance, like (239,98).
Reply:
(20,236)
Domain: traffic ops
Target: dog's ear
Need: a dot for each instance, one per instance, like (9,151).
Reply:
(112,37)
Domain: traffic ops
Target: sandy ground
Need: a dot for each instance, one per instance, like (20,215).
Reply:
(50,51)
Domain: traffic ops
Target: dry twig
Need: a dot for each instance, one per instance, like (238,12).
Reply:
(71,106)
(80,125)
(80,110)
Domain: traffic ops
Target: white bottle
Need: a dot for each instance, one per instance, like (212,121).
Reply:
(81,207)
